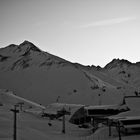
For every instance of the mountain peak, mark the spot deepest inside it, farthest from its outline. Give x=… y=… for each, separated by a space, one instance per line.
x=29 y=46
x=25 y=47
x=26 y=42
x=117 y=63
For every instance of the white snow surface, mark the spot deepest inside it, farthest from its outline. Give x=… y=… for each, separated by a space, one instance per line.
x=43 y=78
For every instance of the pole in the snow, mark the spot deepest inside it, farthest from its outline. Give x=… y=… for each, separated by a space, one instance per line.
x=15 y=111
x=63 y=128
x=119 y=130
x=63 y=112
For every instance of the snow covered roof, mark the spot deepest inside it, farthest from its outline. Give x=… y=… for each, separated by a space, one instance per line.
x=55 y=107
x=124 y=118
x=128 y=114
x=102 y=107
x=63 y=105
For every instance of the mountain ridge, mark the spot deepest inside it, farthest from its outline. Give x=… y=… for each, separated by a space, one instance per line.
x=28 y=46
x=37 y=75
x=120 y=63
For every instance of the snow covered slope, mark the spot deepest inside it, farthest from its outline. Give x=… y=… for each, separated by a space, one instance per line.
x=30 y=127
x=125 y=71
x=42 y=77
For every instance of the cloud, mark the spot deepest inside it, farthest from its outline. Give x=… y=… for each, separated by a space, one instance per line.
x=108 y=22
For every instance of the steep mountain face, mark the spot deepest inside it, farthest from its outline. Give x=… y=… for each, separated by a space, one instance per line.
x=118 y=63
x=25 y=55
x=42 y=77
x=125 y=71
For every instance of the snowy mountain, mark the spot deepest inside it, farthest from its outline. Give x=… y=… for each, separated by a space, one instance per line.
x=125 y=71
x=44 y=78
